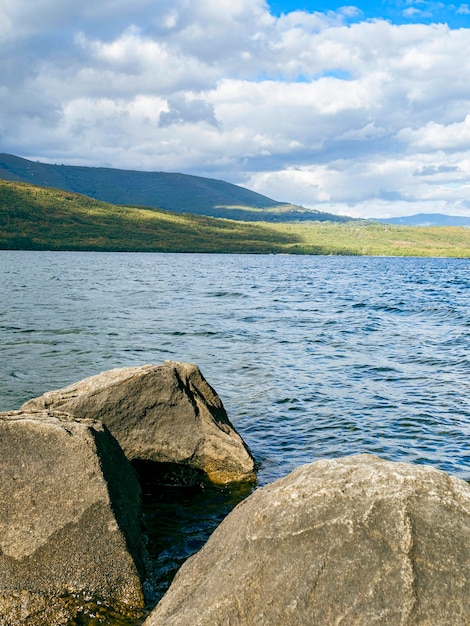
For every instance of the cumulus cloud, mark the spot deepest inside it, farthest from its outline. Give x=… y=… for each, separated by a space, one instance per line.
x=437 y=136
x=328 y=110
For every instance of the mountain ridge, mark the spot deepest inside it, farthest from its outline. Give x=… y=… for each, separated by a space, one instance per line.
x=181 y=193
x=184 y=193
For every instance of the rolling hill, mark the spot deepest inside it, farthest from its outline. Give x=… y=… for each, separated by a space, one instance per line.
x=41 y=218
x=180 y=193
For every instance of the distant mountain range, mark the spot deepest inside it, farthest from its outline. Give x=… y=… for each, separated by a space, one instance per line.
x=180 y=193
x=428 y=219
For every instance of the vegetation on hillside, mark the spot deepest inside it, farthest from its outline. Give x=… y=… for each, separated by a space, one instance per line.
x=38 y=218
x=368 y=238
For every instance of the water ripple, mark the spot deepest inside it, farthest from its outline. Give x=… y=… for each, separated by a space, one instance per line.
x=314 y=357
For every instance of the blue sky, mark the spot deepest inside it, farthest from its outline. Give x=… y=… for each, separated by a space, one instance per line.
x=359 y=109
x=456 y=15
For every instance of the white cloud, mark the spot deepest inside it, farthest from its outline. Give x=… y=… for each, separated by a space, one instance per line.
x=435 y=136
x=305 y=108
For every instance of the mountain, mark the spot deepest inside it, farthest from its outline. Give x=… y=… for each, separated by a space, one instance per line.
x=181 y=193
x=427 y=219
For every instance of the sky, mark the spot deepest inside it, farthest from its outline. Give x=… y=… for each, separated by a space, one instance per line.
x=360 y=109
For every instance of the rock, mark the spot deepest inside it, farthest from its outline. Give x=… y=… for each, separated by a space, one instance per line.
x=70 y=534
x=165 y=413
x=356 y=540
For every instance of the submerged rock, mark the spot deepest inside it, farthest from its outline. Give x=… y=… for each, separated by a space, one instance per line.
x=165 y=413
x=70 y=534
x=356 y=540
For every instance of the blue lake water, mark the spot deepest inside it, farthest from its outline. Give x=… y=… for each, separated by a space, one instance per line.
x=313 y=357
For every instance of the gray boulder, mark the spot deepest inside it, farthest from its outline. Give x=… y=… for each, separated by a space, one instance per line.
x=70 y=535
x=166 y=413
x=356 y=540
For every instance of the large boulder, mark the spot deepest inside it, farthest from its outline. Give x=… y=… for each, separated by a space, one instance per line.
x=70 y=534
x=166 y=413
x=356 y=540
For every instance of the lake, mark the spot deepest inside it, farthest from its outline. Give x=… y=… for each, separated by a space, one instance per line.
x=313 y=356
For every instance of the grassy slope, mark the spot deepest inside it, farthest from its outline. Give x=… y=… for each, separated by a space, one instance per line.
x=43 y=218
x=375 y=239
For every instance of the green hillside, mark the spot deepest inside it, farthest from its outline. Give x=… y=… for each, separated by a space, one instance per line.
x=181 y=193
x=38 y=218
x=367 y=238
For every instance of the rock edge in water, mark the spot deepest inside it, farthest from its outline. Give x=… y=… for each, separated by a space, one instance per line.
x=355 y=540
x=164 y=413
